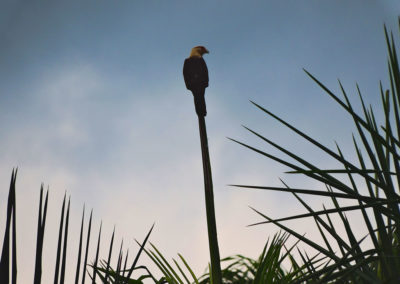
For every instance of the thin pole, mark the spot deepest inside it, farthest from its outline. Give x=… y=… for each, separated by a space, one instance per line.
x=210 y=211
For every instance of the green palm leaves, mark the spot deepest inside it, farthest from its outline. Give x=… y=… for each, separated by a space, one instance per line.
x=372 y=183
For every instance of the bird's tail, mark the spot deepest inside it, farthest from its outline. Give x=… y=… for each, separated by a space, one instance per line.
x=200 y=103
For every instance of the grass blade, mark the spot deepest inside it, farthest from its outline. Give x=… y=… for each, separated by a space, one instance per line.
x=5 y=255
x=109 y=256
x=64 y=256
x=60 y=235
x=139 y=252
x=40 y=236
x=97 y=256
x=78 y=264
x=87 y=248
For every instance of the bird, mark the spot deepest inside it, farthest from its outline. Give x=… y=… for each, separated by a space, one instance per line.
x=195 y=74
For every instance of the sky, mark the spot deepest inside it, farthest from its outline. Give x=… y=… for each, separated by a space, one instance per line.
x=93 y=103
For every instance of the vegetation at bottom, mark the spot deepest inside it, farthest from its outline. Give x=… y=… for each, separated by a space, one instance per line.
x=371 y=182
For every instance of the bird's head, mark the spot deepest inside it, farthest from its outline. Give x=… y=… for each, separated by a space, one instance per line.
x=198 y=51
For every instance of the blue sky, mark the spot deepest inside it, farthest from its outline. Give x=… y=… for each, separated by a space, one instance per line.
x=92 y=102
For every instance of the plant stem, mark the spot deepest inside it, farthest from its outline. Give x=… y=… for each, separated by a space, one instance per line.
x=210 y=211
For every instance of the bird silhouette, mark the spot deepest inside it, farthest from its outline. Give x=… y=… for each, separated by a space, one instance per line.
x=195 y=73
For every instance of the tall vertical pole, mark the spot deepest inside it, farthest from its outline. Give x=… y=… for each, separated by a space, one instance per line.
x=210 y=211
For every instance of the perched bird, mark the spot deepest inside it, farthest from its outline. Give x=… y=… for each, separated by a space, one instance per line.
x=195 y=73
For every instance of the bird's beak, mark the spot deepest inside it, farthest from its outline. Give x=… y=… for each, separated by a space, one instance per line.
x=206 y=51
